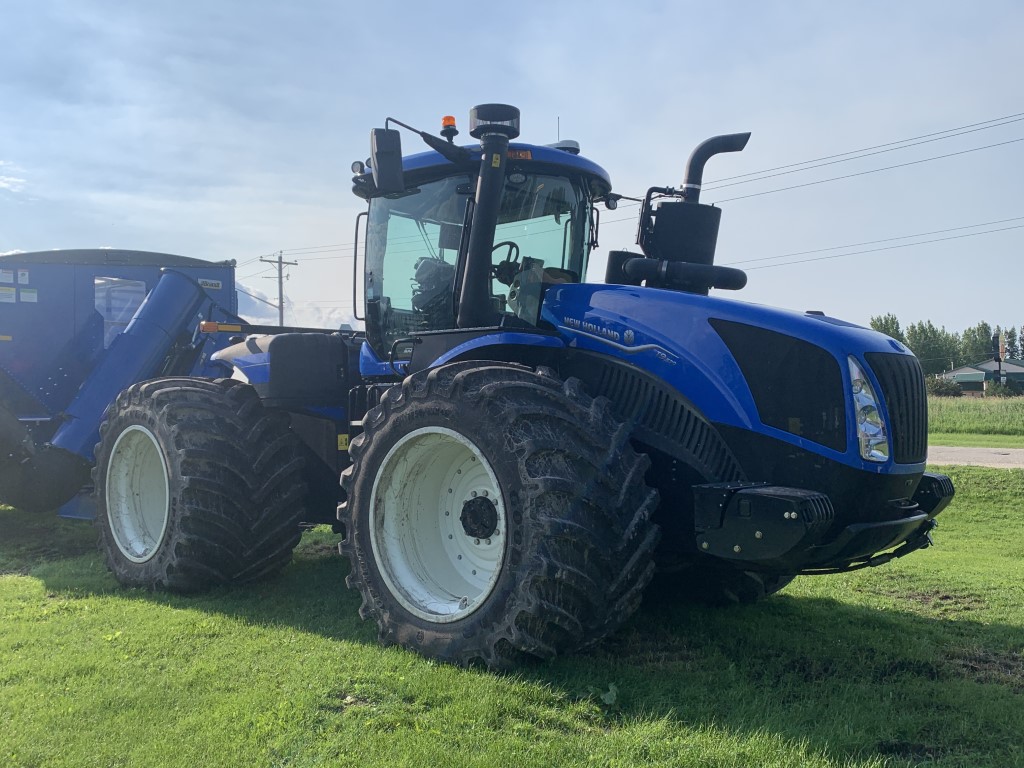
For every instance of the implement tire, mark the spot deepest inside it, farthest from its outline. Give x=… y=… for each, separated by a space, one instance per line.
x=196 y=485
x=494 y=513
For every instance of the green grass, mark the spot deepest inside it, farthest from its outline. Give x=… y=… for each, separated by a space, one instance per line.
x=964 y=440
x=920 y=662
x=976 y=416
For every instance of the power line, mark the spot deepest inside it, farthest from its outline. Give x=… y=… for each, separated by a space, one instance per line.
x=874 y=170
x=255 y=274
x=922 y=139
x=888 y=248
x=882 y=240
x=845 y=160
x=254 y=296
x=293 y=251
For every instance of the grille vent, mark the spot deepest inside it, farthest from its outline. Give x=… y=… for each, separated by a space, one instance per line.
x=905 y=397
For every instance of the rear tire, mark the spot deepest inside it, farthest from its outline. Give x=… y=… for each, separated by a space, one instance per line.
x=494 y=512
x=196 y=485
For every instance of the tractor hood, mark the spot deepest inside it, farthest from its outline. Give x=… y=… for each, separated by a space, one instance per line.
x=728 y=357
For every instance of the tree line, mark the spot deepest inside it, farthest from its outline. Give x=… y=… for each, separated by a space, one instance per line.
x=940 y=350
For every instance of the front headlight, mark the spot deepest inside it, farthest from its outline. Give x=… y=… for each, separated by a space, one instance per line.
x=871 y=431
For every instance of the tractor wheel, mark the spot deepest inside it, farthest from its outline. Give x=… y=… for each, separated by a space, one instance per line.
x=196 y=485
x=496 y=512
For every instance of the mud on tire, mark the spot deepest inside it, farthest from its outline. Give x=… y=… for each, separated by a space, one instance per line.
x=495 y=511
x=196 y=485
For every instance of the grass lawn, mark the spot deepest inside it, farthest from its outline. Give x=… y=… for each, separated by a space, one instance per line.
x=975 y=441
x=919 y=662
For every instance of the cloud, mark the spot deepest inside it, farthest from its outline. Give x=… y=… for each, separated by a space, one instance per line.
x=12 y=183
x=259 y=308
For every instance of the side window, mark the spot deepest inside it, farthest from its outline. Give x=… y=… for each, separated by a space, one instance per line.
x=117 y=300
x=538 y=235
x=412 y=245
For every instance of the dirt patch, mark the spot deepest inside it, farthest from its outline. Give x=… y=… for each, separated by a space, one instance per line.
x=942 y=600
x=983 y=666
x=341 y=701
x=937 y=600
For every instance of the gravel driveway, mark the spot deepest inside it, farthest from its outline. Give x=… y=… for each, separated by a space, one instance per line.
x=1005 y=458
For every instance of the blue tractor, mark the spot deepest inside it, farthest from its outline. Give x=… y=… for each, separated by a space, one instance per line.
x=522 y=452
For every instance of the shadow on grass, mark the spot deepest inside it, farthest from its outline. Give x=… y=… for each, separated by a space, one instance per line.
x=847 y=680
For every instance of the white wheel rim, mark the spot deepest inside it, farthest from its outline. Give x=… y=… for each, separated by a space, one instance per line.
x=137 y=494
x=433 y=567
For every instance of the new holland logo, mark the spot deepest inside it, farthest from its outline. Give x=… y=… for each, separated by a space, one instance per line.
x=628 y=336
x=213 y=285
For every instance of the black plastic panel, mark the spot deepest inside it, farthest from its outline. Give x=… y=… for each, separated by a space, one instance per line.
x=797 y=386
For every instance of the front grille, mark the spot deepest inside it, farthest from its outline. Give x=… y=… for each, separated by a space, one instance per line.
x=905 y=397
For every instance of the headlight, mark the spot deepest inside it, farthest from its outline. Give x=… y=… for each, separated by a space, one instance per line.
x=871 y=431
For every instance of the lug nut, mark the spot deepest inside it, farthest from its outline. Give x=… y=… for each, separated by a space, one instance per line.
x=737 y=548
x=758 y=535
x=704 y=545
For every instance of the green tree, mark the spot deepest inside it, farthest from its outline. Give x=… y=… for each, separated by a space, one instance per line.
x=935 y=348
x=1012 y=347
x=940 y=387
x=976 y=343
x=889 y=325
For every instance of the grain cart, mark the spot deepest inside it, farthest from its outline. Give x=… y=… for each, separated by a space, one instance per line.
x=79 y=326
x=523 y=450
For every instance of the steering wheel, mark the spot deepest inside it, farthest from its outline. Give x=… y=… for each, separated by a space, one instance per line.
x=505 y=271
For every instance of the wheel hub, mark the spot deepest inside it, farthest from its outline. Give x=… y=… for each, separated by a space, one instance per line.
x=479 y=518
x=438 y=524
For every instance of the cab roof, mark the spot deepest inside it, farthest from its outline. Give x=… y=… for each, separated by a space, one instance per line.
x=422 y=164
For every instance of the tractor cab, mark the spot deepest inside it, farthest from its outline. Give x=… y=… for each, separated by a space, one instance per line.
x=419 y=242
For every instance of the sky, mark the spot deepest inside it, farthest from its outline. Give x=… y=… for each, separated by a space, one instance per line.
x=227 y=130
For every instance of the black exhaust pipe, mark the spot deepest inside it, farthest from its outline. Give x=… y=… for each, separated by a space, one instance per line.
x=716 y=145
x=684 y=230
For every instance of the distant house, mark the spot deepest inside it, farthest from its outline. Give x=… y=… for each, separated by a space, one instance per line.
x=974 y=378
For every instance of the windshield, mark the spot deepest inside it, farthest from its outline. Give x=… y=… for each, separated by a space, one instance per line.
x=413 y=242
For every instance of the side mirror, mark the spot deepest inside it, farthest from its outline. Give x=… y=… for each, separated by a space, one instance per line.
x=386 y=160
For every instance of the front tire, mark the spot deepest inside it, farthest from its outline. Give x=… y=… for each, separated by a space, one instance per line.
x=493 y=512
x=196 y=485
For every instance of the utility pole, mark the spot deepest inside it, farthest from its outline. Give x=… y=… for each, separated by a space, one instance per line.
x=280 y=263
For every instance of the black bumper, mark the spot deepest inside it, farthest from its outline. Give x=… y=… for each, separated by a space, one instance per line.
x=792 y=529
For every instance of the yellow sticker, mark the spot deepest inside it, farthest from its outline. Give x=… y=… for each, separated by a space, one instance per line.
x=495 y=161
x=6 y=338
x=342 y=442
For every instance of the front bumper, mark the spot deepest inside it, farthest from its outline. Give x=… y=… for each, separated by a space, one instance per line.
x=795 y=530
